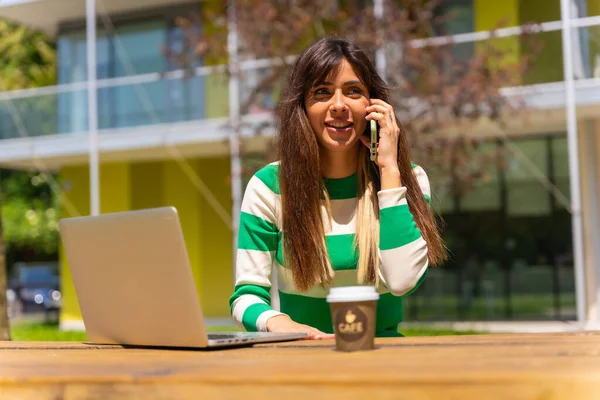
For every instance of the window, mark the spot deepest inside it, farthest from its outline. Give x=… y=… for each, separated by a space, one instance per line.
x=527 y=163
x=134 y=47
x=459 y=19
x=509 y=241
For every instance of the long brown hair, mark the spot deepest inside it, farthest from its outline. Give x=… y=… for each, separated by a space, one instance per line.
x=301 y=184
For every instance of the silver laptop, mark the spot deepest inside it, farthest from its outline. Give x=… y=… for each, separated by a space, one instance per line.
x=134 y=282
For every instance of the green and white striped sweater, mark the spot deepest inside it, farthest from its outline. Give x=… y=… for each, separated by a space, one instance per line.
x=403 y=254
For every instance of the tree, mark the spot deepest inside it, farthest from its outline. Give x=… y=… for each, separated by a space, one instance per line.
x=30 y=216
x=27 y=59
x=437 y=87
x=4 y=327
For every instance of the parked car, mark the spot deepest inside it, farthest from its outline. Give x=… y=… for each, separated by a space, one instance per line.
x=36 y=288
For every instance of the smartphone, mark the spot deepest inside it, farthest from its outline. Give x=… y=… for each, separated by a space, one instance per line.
x=374 y=138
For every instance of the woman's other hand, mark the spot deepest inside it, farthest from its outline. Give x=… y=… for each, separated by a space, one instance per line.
x=284 y=324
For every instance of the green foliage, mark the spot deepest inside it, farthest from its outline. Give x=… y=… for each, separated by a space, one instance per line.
x=30 y=225
x=29 y=212
x=27 y=58
x=29 y=209
x=48 y=331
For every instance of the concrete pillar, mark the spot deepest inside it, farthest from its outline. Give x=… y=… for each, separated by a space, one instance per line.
x=589 y=150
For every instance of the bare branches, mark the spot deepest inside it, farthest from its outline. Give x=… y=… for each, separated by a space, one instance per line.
x=435 y=88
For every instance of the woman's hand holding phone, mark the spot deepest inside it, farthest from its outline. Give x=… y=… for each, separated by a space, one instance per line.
x=387 y=146
x=373 y=142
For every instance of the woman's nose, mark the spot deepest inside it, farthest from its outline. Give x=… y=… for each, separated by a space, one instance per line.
x=337 y=103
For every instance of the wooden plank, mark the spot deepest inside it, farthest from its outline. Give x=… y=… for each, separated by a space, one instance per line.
x=487 y=338
x=10 y=345
x=193 y=391
x=524 y=366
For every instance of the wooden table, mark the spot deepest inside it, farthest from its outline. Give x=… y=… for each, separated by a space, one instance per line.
x=524 y=366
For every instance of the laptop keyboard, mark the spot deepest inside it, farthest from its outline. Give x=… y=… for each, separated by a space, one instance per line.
x=249 y=337
x=217 y=336
x=238 y=335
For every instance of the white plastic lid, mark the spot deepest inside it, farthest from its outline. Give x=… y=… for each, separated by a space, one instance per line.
x=352 y=293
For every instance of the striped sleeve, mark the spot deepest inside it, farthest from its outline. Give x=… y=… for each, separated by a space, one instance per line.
x=403 y=251
x=250 y=303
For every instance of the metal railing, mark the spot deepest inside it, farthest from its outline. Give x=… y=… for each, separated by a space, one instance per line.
x=63 y=108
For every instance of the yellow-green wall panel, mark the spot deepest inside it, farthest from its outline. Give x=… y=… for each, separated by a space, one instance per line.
x=594 y=50
x=180 y=192
x=115 y=187
x=76 y=190
x=547 y=66
x=115 y=190
x=215 y=239
x=593 y=7
x=208 y=239
x=217 y=96
x=147 y=185
x=490 y=15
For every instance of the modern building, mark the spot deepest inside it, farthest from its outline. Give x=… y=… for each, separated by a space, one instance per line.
x=163 y=140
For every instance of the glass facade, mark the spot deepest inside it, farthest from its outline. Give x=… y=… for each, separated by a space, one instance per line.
x=457 y=17
x=131 y=49
x=509 y=239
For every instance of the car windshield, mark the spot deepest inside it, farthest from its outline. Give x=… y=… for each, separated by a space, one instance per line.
x=37 y=275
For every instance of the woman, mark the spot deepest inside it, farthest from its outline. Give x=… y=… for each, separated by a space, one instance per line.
x=325 y=215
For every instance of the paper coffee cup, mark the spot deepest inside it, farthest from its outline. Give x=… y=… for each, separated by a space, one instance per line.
x=354 y=311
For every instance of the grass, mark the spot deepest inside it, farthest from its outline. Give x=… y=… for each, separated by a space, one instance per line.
x=41 y=331
x=523 y=306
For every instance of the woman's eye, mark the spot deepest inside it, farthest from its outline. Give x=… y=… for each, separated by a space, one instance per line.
x=321 y=91
x=355 y=91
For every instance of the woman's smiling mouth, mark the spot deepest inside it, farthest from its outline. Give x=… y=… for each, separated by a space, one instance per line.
x=339 y=126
